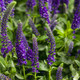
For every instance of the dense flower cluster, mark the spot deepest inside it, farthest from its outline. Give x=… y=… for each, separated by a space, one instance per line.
x=6 y=43
x=43 y=10
x=70 y=48
x=59 y=73
x=35 y=62
x=35 y=31
x=76 y=3
x=2 y=6
x=25 y=42
x=30 y=4
x=64 y=1
x=76 y=20
x=3 y=77
x=20 y=48
x=53 y=5
x=52 y=46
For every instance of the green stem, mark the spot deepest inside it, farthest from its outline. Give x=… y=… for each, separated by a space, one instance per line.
x=49 y=72
x=24 y=72
x=35 y=75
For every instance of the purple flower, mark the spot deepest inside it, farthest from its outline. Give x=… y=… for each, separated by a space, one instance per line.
x=8 y=2
x=6 y=43
x=35 y=31
x=25 y=42
x=20 y=48
x=76 y=19
x=2 y=6
x=64 y=1
x=59 y=73
x=53 y=5
x=43 y=10
x=76 y=3
x=70 y=48
x=53 y=22
x=3 y=77
x=50 y=58
x=35 y=62
x=30 y=4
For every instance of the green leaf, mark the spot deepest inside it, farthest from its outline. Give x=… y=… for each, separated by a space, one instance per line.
x=41 y=47
x=3 y=61
x=77 y=62
x=73 y=70
x=19 y=76
x=76 y=77
x=43 y=66
x=42 y=37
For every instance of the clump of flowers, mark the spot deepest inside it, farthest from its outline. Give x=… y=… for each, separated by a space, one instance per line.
x=59 y=73
x=35 y=31
x=35 y=62
x=53 y=5
x=20 y=48
x=30 y=4
x=6 y=43
x=3 y=77
x=76 y=19
x=51 y=39
x=43 y=10
x=2 y=6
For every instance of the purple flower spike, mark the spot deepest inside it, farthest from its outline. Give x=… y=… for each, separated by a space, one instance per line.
x=2 y=6
x=30 y=4
x=6 y=43
x=76 y=20
x=43 y=10
x=76 y=3
x=3 y=77
x=8 y=2
x=53 y=5
x=35 y=62
x=50 y=58
x=20 y=47
x=70 y=48
x=59 y=73
x=35 y=31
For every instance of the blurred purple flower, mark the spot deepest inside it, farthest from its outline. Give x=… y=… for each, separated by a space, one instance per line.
x=76 y=19
x=30 y=4
x=34 y=29
x=2 y=6
x=70 y=48
x=35 y=62
x=20 y=48
x=53 y=5
x=59 y=73
x=3 y=77
x=50 y=58
x=53 y=22
x=43 y=10
x=6 y=43
x=76 y=3
x=8 y=2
